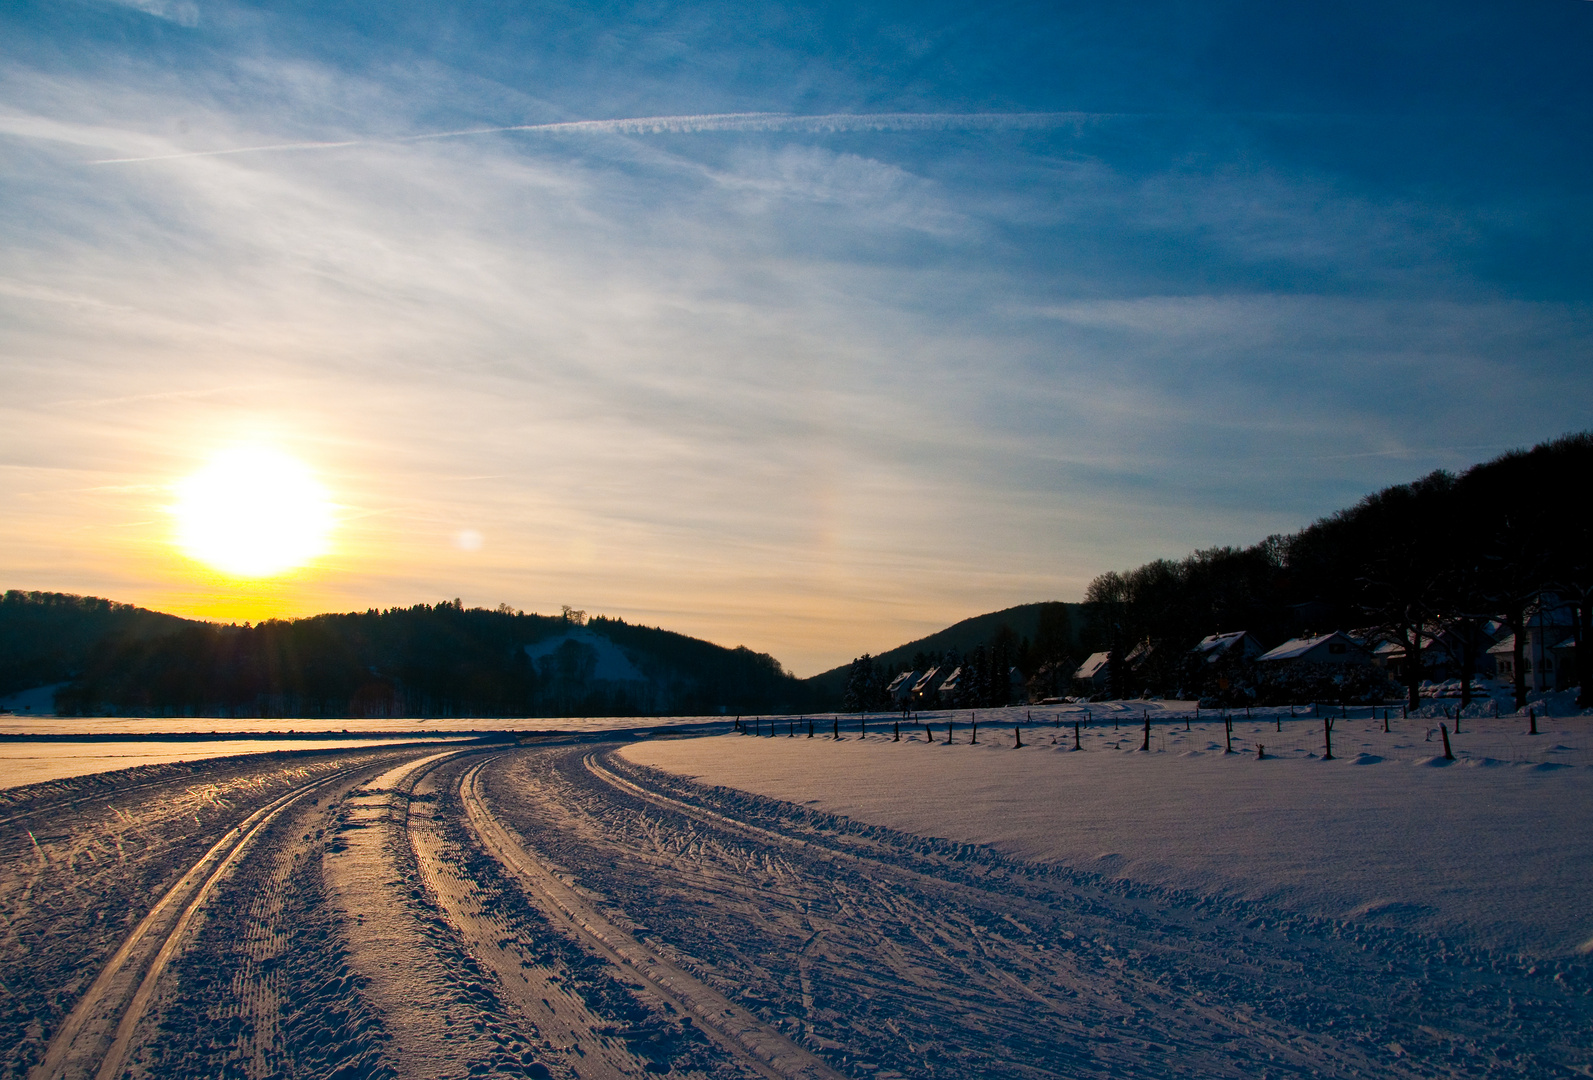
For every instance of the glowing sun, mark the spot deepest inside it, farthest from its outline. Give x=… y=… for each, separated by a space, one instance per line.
x=253 y=512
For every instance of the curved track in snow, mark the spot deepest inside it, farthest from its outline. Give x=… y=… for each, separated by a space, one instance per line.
x=553 y=910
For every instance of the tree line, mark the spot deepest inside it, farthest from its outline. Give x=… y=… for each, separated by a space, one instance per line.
x=441 y=660
x=1426 y=565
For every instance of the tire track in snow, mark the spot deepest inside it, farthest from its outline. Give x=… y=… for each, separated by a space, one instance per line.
x=97 y=1035
x=1133 y=978
x=768 y=1051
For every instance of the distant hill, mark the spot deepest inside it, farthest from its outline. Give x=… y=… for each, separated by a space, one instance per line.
x=442 y=660
x=1024 y=621
x=47 y=637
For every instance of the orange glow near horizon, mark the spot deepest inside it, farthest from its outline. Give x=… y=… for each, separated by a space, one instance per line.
x=253 y=512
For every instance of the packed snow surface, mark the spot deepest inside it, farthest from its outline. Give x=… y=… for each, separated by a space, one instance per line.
x=1388 y=832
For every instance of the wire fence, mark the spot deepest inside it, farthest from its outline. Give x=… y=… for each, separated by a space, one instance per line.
x=1358 y=732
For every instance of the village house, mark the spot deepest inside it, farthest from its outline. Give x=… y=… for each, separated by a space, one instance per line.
x=900 y=689
x=1239 y=645
x=1093 y=676
x=1548 y=649
x=1334 y=648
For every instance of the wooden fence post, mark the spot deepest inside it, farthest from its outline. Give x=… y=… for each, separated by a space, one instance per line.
x=1327 y=736
x=1076 y=745
x=1449 y=754
x=1017 y=737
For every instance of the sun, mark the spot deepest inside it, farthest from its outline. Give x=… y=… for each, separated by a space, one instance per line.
x=253 y=512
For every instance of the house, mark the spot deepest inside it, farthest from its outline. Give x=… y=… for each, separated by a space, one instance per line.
x=1548 y=649
x=1095 y=674
x=952 y=682
x=1334 y=648
x=926 y=685
x=1239 y=645
x=901 y=687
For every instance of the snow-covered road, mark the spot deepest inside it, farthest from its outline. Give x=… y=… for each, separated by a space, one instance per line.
x=560 y=910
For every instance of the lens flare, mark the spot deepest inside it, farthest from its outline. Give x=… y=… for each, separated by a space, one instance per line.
x=253 y=512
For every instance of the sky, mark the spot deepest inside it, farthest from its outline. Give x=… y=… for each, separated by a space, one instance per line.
x=812 y=328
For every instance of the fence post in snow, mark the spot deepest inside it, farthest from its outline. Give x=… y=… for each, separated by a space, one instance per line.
x=1279 y=718
x=1385 y=720
x=837 y=729
x=1145 y=745
x=898 y=736
x=1261 y=751
x=929 y=733
x=1449 y=755
x=975 y=740
x=1227 y=726
x=948 y=732
x=1327 y=738
x=1532 y=718
x=1076 y=745
x=1017 y=737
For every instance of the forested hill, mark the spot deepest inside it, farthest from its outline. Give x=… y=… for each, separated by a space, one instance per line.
x=1426 y=565
x=442 y=660
x=1035 y=630
x=47 y=637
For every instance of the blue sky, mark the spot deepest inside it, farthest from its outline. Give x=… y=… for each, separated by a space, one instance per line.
x=906 y=313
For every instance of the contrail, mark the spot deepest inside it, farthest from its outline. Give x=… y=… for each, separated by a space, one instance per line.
x=687 y=125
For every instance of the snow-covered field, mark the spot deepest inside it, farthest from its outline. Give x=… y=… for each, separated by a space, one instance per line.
x=1495 y=847
x=653 y=903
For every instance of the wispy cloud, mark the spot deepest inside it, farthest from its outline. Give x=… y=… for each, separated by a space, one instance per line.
x=182 y=12
x=682 y=125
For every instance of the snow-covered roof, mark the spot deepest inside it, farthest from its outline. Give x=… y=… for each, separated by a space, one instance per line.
x=1506 y=646
x=904 y=677
x=1092 y=666
x=1218 y=641
x=1298 y=647
x=1215 y=646
x=951 y=681
x=924 y=684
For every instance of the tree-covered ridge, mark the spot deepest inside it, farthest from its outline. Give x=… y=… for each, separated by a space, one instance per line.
x=46 y=637
x=1424 y=565
x=425 y=660
x=1421 y=565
